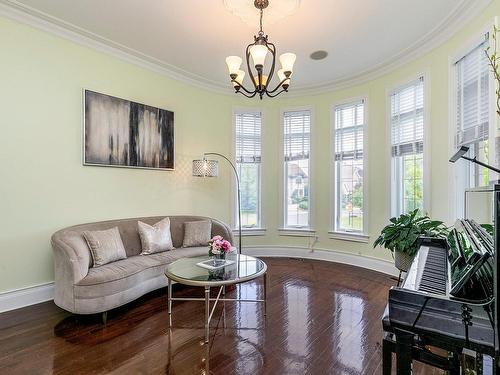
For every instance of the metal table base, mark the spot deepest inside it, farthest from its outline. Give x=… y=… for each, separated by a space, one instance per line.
x=209 y=312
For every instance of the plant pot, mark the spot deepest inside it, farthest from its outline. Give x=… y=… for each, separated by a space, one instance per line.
x=402 y=261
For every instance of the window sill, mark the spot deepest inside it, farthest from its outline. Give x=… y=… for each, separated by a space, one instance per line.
x=250 y=232
x=298 y=232
x=349 y=236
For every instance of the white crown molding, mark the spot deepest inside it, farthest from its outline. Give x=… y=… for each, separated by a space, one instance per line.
x=18 y=298
x=465 y=11
x=22 y=13
x=370 y=263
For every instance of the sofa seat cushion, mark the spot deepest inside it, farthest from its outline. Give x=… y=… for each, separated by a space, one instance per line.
x=125 y=274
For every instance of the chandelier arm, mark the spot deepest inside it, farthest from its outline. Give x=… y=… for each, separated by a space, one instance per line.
x=248 y=96
x=279 y=85
x=247 y=91
x=241 y=86
x=273 y=65
x=250 y=73
x=275 y=95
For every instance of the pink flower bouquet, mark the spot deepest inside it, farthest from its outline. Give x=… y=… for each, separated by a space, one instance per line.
x=218 y=246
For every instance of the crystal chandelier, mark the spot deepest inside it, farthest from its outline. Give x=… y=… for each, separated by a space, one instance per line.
x=258 y=51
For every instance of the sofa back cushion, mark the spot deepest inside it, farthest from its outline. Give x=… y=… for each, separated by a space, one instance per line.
x=155 y=238
x=197 y=233
x=106 y=246
x=73 y=236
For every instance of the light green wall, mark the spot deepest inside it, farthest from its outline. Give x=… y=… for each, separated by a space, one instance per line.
x=44 y=186
x=436 y=66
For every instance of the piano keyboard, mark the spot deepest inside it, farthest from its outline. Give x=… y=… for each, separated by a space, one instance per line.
x=434 y=275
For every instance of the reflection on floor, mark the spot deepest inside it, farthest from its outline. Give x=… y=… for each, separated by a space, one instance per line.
x=323 y=318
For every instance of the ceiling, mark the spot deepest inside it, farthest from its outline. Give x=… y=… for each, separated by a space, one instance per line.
x=192 y=37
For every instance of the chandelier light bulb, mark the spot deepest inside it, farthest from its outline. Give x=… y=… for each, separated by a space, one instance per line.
x=259 y=53
x=287 y=60
x=264 y=80
x=233 y=64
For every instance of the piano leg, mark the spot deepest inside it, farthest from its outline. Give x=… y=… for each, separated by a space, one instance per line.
x=386 y=357
x=404 y=342
x=455 y=364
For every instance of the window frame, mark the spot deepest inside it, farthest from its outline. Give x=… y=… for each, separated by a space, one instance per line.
x=335 y=232
x=453 y=168
x=301 y=231
x=426 y=154
x=259 y=229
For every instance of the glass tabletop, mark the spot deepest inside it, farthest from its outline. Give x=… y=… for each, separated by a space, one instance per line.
x=244 y=268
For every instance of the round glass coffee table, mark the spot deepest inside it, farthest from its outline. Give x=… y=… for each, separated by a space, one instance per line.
x=187 y=271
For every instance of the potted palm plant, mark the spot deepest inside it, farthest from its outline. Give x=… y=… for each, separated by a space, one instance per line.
x=403 y=235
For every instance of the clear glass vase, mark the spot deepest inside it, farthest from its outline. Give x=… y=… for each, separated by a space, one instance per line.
x=219 y=259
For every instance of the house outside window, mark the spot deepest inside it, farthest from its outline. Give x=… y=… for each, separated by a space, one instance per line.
x=296 y=139
x=348 y=165
x=248 y=126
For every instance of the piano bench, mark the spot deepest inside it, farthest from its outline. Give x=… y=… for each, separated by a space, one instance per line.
x=423 y=355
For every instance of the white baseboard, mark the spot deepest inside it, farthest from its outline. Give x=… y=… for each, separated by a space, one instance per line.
x=32 y=295
x=370 y=263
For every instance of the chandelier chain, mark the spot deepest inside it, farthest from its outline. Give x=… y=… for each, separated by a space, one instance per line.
x=261 y=32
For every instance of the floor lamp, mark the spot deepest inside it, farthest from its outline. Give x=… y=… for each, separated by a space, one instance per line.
x=210 y=168
x=461 y=154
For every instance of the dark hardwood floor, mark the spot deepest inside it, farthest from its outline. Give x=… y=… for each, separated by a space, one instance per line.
x=323 y=318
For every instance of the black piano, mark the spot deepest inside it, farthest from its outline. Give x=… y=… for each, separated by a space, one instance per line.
x=447 y=301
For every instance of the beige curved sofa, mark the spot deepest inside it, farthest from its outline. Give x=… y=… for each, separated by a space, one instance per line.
x=83 y=289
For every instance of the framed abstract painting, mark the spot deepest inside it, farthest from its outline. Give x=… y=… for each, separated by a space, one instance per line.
x=122 y=133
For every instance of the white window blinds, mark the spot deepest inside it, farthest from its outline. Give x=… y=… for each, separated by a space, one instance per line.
x=349 y=121
x=297 y=127
x=248 y=137
x=472 y=96
x=407 y=119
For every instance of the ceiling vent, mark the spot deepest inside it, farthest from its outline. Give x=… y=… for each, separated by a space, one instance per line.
x=319 y=55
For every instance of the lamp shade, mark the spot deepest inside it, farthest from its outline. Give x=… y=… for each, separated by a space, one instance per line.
x=259 y=53
x=239 y=78
x=282 y=77
x=287 y=60
x=205 y=168
x=461 y=152
x=233 y=64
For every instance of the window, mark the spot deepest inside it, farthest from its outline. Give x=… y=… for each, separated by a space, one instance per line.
x=407 y=147
x=296 y=131
x=472 y=119
x=349 y=122
x=248 y=161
